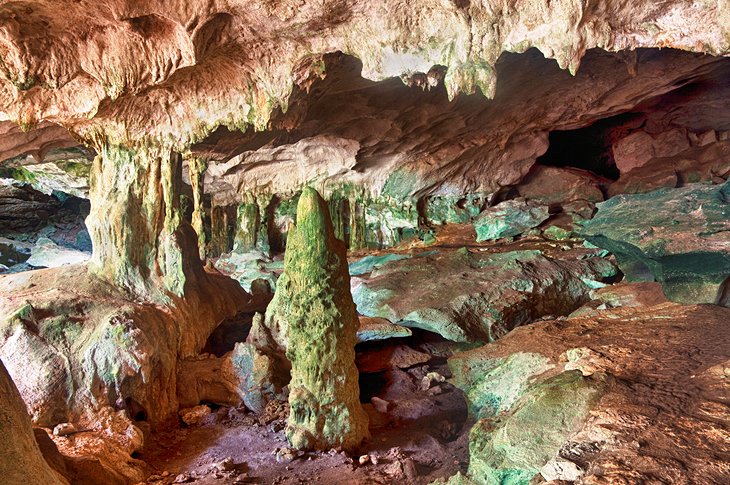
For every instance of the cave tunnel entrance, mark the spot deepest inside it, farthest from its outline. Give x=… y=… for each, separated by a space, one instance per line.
x=230 y=332
x=590 y=148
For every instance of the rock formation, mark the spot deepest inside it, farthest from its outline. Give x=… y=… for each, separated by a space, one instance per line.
x=678 y=237
x=320 y=327
x=21 y=461
x=496 y=169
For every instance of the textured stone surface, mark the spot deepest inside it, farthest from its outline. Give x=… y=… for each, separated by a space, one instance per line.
x=373 y=328
x=21 y=461
x=509 y=218
x=678 y=237
x=75 y=343
x=536 y=389
x=140 y=242
x=314 y=305
x=465 y=296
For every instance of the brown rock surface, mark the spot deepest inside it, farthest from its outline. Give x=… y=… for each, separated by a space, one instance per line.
x=663 y=415
x=21 y=461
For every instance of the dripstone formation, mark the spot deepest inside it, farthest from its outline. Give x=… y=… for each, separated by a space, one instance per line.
x=321 y=333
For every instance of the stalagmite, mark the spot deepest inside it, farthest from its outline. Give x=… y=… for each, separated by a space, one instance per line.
x=321 y=318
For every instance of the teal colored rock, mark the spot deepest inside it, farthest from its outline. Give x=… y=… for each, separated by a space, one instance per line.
x=257 y=376
x=557 y=233
x=509 y=218
x=678 y=237
x=320 y=323
x=493 y=385
x=246 y=267
x=459 y=209
x=369 y=263
x=466 y=297
x=512 y=448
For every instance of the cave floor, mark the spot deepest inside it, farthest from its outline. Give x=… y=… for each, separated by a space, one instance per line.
x=421 y=437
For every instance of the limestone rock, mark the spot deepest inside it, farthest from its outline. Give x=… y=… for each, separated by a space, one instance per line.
x=390 y=356
x=677 y=237
x=90 y=347
x=321 y=326
x=509 y=218
x=47 y=254
x=259 y=380
x=586 y=389
x=21 y=461
x=466 y=296
x=373 y=328
x=513 y=448
x=557 y=185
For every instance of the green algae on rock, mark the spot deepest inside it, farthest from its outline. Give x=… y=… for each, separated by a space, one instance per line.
x=321 y=326
x=678 y=237
x=509 y=218
x=512 y=448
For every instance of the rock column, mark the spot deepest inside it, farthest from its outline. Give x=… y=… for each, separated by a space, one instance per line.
x=196 y=168
x=247 y=225
x=321 y=327
x=140 y=242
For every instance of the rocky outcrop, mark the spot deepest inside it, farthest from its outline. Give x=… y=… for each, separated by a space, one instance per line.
x=314 y=305
x=76 y=343
x=21 y=461
x=678 y=237
x=569 y=399
x=508 y=219
x=468 y=295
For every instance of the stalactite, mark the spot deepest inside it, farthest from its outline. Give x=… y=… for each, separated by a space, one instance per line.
x=196 y=168
x=140 y=242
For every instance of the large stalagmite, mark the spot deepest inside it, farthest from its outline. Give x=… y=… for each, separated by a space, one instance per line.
x=322 y=323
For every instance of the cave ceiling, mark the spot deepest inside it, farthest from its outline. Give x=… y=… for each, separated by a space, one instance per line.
x=458 y=93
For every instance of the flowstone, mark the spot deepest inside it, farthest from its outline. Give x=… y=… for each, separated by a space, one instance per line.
x=321 y=325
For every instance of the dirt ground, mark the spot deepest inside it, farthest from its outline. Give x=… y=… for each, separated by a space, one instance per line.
x=421 y=436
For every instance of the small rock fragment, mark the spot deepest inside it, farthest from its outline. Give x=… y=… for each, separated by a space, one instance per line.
x=194 y=415
x=380 y=405
x=224 y=465
x=409 y=468
x=562 y=470
x=64 y=429
x=285 y=455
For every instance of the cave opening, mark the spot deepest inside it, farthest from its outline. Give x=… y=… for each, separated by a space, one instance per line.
x=228 y=333
x=589 y=148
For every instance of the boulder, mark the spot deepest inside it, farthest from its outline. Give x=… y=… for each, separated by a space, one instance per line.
x=558 y=185
x=374 y=328
x=48 y=254
x=678 y=237
x=509 y=218
x=469 y=296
